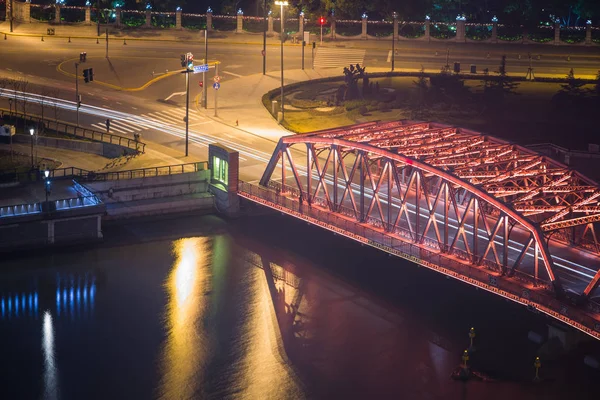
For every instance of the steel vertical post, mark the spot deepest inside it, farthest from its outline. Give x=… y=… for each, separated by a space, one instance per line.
x=282 y=33
x=106 y=43
x=265 y=40
x=216 y=91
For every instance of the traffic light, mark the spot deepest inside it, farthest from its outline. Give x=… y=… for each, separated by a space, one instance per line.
x=190 y=64
x=322 y=21
x=200 y=83
x=91 y=74
x=86 y=75
x=183 y=61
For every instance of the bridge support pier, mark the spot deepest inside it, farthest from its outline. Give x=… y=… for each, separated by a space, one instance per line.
x=224 y=172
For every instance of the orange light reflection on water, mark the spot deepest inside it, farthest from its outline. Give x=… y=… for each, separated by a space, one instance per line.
x=184 y=353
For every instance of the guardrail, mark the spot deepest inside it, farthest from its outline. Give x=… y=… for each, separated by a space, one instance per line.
x=77 y=131
x=20 y=209
x=515 y=288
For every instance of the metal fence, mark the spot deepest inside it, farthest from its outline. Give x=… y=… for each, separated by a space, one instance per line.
x=147 y=172
x=518 y=288
x=77 y=131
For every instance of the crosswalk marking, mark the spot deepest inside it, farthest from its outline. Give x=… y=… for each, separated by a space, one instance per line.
x=171 y=117
x=332 y=57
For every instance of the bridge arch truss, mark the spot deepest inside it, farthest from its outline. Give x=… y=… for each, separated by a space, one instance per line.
x=485 y=201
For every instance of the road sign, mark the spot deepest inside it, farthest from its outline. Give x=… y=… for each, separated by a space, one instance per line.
x=200 y=68
x=217 y=78
x=216 y=85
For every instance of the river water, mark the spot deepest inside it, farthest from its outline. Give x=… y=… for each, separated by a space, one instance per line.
x=257 y=308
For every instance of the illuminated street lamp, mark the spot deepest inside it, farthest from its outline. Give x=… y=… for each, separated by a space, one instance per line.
x=282 y=4
x=47 y=184
x=31 y=132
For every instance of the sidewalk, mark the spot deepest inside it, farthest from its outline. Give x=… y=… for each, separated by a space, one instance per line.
x=184 y=35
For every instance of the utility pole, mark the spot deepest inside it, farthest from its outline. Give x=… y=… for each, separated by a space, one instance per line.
x=216 y=91
x=264 y=51
x=187 y=109
x=394 y=41
x=10 y=15
x=107 y=43
x=303 y=45
x=204 y=88
x=98 y=17
x=77 y=90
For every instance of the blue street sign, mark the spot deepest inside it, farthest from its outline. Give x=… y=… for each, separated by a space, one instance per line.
x=200 y=68
x=216 y=85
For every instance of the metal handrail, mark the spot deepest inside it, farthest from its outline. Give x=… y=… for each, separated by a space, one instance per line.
x=77 y=131
x=147 y=172
x=15 y=210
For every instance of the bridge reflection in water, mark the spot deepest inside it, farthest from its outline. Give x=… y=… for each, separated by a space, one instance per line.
x=476 y=208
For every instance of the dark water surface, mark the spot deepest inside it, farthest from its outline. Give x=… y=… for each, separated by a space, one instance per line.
x=257 y=308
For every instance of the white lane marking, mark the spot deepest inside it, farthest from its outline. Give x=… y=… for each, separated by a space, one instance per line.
x=90 y=94
x=8 y=69
x=232 y=73
x=105 y=106
x=171 y=120
x=114 y=128
x=123 y=125
x=105 y=98
x=174 y=94
x=135 y=108
x=201 y=123
x=119 y=103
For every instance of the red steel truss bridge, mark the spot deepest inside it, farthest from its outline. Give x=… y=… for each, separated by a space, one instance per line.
x=476 y=208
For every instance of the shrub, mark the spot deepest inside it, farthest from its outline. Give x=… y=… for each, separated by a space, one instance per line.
x=363 y=110
x=353 y=104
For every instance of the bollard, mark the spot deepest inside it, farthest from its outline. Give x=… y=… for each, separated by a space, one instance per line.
x=568 y=58
x=5 y=36
x=97 y=41
x=69 y=39
x=124 y=42
x=519 y=57
x=471 y=336
x=537 y=364
x=487 y=55
x=465 y=358
x=42 y=38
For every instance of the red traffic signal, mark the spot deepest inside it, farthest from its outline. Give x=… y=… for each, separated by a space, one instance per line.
x=200 y=83
x=322 y=21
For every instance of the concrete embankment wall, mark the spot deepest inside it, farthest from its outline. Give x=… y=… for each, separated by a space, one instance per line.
x=109 y=150
x=154 y=195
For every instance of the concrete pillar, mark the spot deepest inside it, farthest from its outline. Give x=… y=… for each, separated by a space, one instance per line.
x=118 y=17
x=240 y=23
x=428 y=30
x=51 y=232
x=556 y=33
x=301 y=26
x=270 y=25
x=495 y=32
x=364 y=27
x=57 y=13
x=588 y=33
x=88 y=15
x=395 y=33
x=148 y=23
x=209 y=21
x=460 y=30
x=178 y=19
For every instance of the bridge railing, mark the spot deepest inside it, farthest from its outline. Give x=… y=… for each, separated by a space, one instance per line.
x=518 y=287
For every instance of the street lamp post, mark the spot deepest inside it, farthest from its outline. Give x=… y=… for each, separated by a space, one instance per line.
x=77 y=90
x=264 y=51
x=46 y=185
x=31 y=131
x=394 y=40
x=282 y=4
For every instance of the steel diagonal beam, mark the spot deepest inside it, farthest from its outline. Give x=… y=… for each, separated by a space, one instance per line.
x=491 y=235
x=592 y=285
x=521 y=256
x=401 y=138
x=321 y=174
x=461 y=227
x=294 y=170
x=348 y=180
x=500 y=163
x=483 y=160
x=572 y=207
x=432 y=220
x=272 y=164
x=375 y=190
x=404 y=209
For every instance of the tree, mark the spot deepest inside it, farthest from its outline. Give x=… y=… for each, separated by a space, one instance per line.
x=421 y=90
x=496 y=89
x=351 y=76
